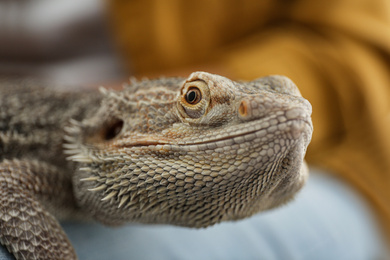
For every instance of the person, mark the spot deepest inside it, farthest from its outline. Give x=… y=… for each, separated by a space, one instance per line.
x=337 y=52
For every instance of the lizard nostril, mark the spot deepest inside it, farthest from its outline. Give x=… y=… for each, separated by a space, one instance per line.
x=243 y=109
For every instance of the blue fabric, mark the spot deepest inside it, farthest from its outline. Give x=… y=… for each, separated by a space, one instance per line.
x=4 y=255
x=327 y=220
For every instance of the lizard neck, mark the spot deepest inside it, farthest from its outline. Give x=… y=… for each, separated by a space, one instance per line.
x=32 y=121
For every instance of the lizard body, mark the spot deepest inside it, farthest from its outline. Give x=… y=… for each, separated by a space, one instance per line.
x=190 y=152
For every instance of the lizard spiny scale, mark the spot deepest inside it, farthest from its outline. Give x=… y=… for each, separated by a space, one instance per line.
x=190 y=152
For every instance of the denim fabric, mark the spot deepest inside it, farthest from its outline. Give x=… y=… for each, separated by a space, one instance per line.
x=327 y=220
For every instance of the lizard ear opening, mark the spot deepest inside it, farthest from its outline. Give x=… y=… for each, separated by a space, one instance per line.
x=113 y=129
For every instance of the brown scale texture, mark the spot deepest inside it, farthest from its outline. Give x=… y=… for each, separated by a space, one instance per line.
x=27 y=228
x=190 y=152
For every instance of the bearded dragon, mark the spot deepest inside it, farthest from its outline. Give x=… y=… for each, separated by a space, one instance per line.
x=191 y=152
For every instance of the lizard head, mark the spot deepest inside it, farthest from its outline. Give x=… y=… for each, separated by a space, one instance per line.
x=193 y=151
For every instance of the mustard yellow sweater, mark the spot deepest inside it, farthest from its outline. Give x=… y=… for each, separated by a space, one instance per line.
x=336 y=51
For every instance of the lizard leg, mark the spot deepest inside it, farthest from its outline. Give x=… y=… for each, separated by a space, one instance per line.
x=27 y=228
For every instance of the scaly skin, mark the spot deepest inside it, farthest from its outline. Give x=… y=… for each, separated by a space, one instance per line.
x=190 y=152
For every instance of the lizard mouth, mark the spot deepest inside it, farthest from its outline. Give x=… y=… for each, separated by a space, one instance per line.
x=294 y=128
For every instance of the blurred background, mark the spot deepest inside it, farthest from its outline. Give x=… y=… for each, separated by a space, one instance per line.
x=336 y=51
x=63 y=41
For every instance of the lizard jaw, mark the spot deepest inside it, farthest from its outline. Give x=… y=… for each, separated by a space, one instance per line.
x=293 y=128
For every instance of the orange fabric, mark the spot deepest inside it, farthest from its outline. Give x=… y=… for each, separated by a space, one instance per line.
x=336 y=51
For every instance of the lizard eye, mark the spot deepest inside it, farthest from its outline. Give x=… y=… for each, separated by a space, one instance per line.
x=194 y=100
x=193 y=95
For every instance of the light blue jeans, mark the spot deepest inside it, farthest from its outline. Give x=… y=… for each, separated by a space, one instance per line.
x=327 y=220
